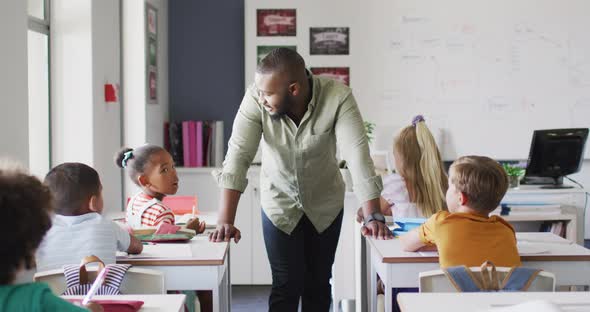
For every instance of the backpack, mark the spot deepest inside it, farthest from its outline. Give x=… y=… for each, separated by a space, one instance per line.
x=77 y=282
x=465 y=280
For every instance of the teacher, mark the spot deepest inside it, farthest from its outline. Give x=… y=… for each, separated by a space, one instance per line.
x=299 y=119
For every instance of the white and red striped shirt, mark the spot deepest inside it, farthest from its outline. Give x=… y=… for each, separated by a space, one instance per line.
x=154 y=215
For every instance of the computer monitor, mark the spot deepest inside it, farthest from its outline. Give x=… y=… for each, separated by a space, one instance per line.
x=556 y=153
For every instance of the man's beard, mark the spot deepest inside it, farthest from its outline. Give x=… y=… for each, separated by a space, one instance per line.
x=286 y=103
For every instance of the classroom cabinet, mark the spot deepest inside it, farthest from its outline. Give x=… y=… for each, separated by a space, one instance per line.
x=249 y=262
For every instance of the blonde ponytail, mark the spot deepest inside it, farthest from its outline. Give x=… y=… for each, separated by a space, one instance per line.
x=433 y=174
x=421 y=167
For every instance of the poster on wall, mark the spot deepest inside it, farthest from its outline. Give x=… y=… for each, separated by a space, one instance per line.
x=276 y=22
x=341 y=74
x=328 y=41
x=263 y=50
x=151 y=53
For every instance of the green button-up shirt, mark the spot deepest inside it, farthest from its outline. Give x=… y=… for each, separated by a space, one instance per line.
x=299 y=173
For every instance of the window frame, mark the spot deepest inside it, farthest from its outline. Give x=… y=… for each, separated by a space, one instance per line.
x=42 y=26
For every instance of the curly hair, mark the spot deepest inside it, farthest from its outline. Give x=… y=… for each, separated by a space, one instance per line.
x=25 y=204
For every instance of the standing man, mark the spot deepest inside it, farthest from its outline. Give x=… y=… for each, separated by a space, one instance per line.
x=300 y=118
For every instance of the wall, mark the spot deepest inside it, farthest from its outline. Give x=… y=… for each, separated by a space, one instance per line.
x=143 y=122
x=206 y=60
x=14 y=134
x=85 y=56
x=106 y=117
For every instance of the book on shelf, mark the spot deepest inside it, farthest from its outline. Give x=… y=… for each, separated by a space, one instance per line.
x=508 y=209
x=195 y=143
x=175 y=140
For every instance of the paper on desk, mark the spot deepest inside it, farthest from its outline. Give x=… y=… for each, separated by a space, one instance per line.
x=166 y=250
x=529 y=306
x=526 y=248
x=428 y=253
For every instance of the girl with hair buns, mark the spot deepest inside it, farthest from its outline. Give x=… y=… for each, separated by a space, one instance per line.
x=152 y=169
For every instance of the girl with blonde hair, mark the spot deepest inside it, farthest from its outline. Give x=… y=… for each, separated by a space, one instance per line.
x=417 y=189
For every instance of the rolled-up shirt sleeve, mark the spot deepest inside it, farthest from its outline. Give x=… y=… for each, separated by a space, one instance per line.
x=242 y=146
x=354 y=147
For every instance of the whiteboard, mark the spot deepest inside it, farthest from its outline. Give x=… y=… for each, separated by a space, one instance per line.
x=485 y=74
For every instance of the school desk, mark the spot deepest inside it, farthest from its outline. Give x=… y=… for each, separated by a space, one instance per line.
x=469 y=302
x=196 y=265
x=151 y=303
x=568 y=261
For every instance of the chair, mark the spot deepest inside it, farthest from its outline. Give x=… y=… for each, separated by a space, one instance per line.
x=180 y=205
x=437 y=281
x=137 y=281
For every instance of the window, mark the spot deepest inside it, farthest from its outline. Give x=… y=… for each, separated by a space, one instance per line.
x=38 y=73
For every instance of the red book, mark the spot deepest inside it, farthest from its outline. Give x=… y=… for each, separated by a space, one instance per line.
x=193 y=143
x=186 y=143
x=199 y=143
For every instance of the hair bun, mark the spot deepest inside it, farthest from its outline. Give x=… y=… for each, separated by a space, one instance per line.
x=121 y=155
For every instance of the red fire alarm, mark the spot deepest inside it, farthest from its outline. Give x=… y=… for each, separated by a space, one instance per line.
x=110 y=93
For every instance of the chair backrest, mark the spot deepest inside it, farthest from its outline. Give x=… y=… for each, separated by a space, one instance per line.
x=180 y=205
x=137 y=281
x=437 y=281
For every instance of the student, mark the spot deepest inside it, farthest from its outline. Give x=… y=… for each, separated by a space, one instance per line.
x=466 y=234
x=78 y=228
x=152 y=169
x=25 y=204
x=418 y=188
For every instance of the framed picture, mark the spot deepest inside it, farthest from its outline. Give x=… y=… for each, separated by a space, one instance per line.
x=152 y=19
x=262 y=51
x=341 y=74
x=276 y=22
x=329 y=40
x=152 y=86
x=151 y=53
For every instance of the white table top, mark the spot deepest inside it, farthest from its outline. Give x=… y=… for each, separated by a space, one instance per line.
x=198 y=251
x=556 y=249
x=470 y=302
x=151 y=303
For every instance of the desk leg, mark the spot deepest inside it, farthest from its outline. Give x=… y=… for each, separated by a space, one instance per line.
x=228 y=279
x=387 y=286
x=372 y=298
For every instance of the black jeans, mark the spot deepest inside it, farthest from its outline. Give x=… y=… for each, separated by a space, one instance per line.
x=301 y=265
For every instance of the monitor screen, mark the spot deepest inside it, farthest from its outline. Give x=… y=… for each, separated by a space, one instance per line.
x=557 y=152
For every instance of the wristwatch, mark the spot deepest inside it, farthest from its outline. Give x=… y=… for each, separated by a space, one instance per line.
x=375 y=216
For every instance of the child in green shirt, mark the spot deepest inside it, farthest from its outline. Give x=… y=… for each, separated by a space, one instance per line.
x=25 y=204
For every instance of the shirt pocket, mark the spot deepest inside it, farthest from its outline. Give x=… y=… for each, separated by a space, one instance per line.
x=317 y=144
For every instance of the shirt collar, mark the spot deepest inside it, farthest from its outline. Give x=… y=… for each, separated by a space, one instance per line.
x=314 y=85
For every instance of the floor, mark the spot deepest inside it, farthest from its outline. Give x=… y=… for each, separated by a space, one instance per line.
x=250 y=298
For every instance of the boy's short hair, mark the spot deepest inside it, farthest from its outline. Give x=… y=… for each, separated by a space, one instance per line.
x=25 y=204
x=481 y=179
x=72 y=185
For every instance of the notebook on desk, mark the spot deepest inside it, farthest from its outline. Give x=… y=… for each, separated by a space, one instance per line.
x=403 y=225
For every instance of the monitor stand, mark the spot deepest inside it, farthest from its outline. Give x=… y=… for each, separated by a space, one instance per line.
x=557 y=184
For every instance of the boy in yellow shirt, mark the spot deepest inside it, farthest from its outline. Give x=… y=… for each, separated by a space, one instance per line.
x=466 y=234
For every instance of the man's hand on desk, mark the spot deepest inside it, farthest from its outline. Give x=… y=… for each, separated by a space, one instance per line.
x=224 y=232
x=378 y=230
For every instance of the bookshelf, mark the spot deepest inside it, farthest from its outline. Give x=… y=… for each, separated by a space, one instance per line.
x=572 y=202
x=531 y=222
